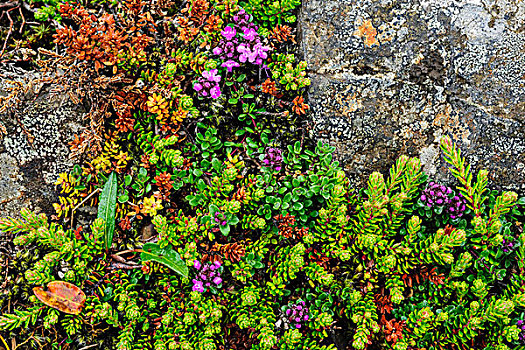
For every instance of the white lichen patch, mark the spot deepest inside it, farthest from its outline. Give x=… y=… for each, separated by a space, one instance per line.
x=392 y=77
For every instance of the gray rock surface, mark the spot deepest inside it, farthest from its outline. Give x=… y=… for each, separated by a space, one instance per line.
x=33 y=145
x=390 y=77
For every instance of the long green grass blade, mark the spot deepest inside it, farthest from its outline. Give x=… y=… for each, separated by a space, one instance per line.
x=107 y=207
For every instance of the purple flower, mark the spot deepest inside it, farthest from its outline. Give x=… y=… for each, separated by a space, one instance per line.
x=249 y=33
x=229 y=33
x=230 y=64
x=208 y=273
x=211 y=75
x=234 y=49
x=297 y=313
x=229 y=48
x=456 y=206
x=521 y=326
x=273 y=158
x=197 y=87
x=215 y=93
x=507 y=246
x=261 y=50
x=438 y=195
x=208 y=84
x=241 y=17
x=197 y=286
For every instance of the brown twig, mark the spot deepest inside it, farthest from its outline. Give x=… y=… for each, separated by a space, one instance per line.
x=23 y=19
x=10 y=4
x=10 y=28
x=128 y=251
x=81 y=203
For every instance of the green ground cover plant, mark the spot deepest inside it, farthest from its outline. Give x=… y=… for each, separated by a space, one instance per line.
x=221 y=224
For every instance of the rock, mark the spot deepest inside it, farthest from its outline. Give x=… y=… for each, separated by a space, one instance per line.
x=392 y=77
x=33 y=144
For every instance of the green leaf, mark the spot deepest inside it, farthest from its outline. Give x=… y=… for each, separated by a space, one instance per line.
x=123 y=198
x=233 y=220
x=106 y=208
x=127 y=180
x=165 y=256
x=225 y=230
x=217 y=165
x=297 y=147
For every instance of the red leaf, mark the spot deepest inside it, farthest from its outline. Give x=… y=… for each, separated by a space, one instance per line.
x=63 y=296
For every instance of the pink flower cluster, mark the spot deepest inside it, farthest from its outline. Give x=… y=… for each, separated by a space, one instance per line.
x=208 y=276
x=207 y=85
x=297 y=314
x=273 y=158
x=439 y=195
x=241 y=43
x=220 y=219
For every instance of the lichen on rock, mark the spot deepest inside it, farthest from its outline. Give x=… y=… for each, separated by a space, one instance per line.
x=392 y=77
x=33 y=147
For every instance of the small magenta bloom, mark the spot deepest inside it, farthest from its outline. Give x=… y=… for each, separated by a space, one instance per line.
x=249 y=34
x=211 y=75
x=297 y=314
x=215 y=93
x=197 y=286
x=243 y=48
x=208 y=277
x=229 y=33
x=197 y=87
x=230 y=64
x=273 y=158
x=217 y=51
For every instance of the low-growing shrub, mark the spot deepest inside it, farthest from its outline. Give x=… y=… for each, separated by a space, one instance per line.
x=222 y=224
